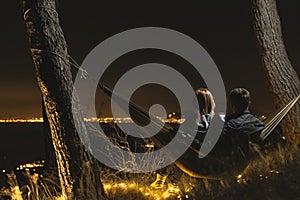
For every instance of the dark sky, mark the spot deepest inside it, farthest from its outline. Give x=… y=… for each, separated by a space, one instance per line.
x=223 y=28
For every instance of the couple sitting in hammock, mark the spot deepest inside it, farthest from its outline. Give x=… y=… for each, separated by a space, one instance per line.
x=240 y=123
x=240 y=127
x=240 y=120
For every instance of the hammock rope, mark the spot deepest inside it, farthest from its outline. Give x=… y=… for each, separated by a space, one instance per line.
x=272 y=122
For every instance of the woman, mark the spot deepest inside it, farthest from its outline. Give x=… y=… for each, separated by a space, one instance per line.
x=202 y=118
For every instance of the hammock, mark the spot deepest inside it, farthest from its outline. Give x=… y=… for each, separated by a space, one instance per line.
x=211 y=167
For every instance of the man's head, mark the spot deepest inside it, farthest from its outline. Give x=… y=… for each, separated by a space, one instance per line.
x=240 y=99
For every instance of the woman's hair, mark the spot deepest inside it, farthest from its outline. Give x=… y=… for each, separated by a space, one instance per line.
x=206 y=101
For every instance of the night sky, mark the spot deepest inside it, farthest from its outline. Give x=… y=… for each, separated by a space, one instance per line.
x=223 y=28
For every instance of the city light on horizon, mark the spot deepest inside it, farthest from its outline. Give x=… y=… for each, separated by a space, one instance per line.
x=20 y=120
x=93 y=119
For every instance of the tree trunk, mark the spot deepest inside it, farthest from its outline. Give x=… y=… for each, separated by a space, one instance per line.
x=50 y=164
x=78 y=172
x=282 y=79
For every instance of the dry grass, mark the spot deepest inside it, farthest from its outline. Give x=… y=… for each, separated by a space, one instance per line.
x=275 y=175
x=272 y=174
x=37 y=187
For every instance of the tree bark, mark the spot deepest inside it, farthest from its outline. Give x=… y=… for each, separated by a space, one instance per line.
x=281 y=78
x=50 y=164
x=78 y=172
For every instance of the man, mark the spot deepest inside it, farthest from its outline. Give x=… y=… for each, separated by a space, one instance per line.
x=241 y=126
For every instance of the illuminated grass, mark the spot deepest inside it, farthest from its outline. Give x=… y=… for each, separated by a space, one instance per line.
x=273 y=174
